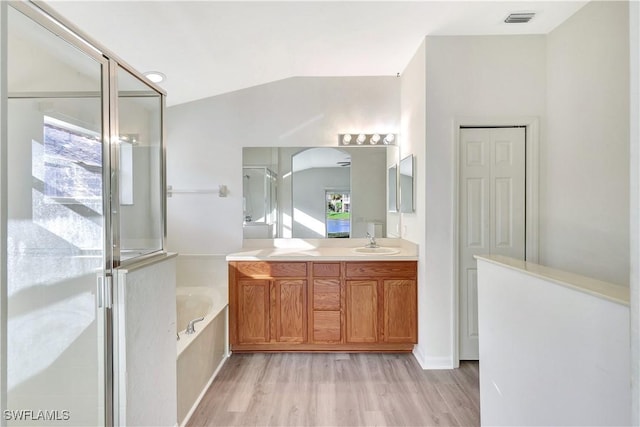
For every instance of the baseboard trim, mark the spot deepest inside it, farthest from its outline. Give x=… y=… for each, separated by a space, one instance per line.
x=420 y=357
x=440 y=363
x=204 y=390
x=432 y=363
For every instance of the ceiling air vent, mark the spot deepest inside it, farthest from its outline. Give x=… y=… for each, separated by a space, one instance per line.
x=519 y=18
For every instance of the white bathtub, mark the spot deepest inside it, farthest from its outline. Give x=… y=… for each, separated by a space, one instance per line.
x=199 y=355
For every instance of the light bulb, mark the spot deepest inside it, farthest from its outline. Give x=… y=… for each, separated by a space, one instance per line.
x=361 y=139
x=346 y=139
x=375 y=138
x=389 y=138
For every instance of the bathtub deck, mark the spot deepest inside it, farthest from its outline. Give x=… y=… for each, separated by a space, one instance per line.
x=290 y=389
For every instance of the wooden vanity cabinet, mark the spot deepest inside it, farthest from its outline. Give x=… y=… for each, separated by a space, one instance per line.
x=267 y=302
x=381 y=302
x=322 y=306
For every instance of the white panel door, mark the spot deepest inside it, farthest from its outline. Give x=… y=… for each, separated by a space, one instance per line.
x=491 y=213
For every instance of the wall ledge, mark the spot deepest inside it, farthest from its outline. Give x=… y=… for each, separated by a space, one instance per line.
x=615 y=293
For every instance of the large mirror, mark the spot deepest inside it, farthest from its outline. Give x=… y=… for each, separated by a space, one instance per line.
x=316 y=192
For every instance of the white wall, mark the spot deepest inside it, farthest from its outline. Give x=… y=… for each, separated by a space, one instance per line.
x=584 y=179
x=550 y=355
x=412 y=141
x=145 y=324
x=205 y=140
x=473 y=77
x=482 y=77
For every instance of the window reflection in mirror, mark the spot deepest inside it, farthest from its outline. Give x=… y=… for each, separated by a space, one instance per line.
x=305 y=178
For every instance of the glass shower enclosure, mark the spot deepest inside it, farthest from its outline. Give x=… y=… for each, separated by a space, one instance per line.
x=84 y=195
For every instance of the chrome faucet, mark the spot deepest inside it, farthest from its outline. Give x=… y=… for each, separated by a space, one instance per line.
x=190 y=328
x=372 y=242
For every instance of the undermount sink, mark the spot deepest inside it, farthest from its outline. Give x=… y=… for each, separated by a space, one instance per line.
x=380 y=250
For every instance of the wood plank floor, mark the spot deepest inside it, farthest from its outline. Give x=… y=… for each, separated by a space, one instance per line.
x=360 y=389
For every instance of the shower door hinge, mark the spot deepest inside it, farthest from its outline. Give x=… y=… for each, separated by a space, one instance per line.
x=104 y=289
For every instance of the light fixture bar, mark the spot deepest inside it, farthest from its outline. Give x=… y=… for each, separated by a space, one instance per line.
x=367 y=139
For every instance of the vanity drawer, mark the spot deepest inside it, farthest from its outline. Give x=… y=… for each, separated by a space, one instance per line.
x=326 y=294
x=326 y=269
x=271 y=269
x=381 y=269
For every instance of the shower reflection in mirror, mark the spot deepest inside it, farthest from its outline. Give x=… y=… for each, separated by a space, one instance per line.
x=259 y=202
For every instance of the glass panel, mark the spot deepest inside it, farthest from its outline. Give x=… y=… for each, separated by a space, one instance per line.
x=55 y=356
x=140 y=160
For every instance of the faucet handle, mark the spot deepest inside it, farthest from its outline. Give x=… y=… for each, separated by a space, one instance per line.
x=190 y=328
x=372 y=241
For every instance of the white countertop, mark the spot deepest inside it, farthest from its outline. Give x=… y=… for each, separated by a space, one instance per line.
x=321 y=250
x=612 y=292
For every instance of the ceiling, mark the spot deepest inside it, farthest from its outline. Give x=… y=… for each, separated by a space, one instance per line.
x=206 y=48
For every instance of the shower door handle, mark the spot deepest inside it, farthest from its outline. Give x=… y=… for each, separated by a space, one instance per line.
x=103 y=290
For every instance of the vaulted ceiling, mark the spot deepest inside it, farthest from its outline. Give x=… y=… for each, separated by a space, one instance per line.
x=206 y=48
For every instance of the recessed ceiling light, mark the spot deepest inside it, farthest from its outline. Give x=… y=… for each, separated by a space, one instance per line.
x=155 y=76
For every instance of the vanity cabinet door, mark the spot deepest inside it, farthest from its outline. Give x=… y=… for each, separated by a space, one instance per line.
x=253 y=299
x=290 y=320
x=361 y=311
x=399 y=311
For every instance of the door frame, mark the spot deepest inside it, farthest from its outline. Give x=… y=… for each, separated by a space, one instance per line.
x=532 y=140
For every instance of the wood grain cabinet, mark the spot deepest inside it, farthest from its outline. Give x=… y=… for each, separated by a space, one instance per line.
x=254 y=301
x=382 y=302
x=322 y=306
x=326 y=303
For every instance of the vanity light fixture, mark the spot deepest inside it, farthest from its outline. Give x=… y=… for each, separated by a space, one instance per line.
x=365 y=139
